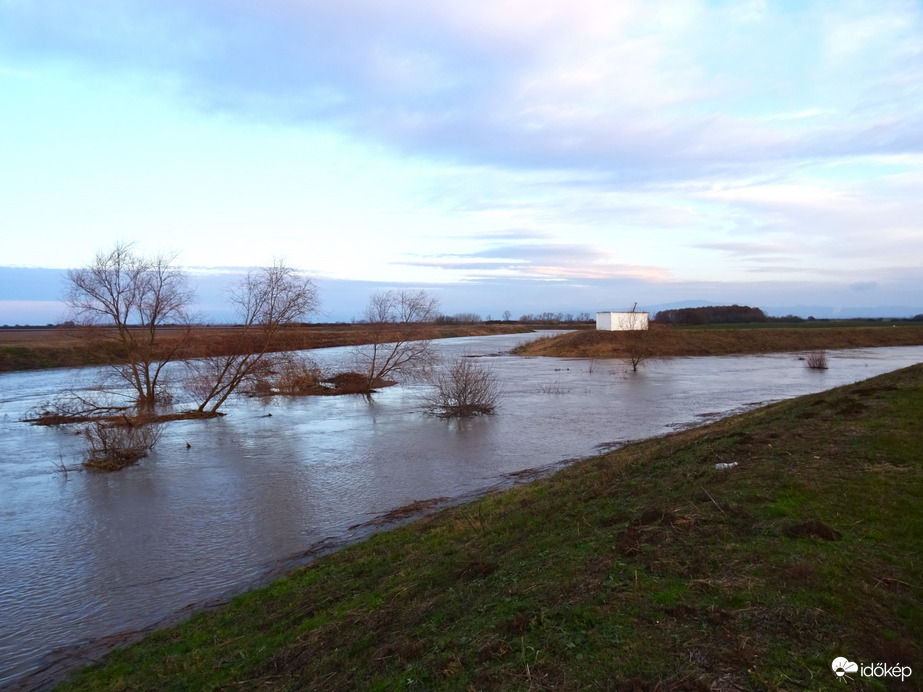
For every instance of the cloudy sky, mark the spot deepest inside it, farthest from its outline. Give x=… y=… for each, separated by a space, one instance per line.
x=529 y=156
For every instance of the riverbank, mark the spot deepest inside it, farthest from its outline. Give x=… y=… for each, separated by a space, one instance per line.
x=61 y=347
x=662 y=341
x=644 y=568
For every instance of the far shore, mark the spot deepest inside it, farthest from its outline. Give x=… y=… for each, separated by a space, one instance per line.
x=664 y=342
x=40 y=348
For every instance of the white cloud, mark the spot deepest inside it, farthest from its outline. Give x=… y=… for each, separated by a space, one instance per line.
x=648 y=132
x=595 y=84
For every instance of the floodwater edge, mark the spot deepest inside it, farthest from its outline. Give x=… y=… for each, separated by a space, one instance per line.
x=598 y=517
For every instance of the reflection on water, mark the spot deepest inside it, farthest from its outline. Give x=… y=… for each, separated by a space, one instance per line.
x=221 y=503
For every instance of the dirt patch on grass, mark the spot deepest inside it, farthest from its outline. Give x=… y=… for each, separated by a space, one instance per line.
x=813 y=529
x=476 y=569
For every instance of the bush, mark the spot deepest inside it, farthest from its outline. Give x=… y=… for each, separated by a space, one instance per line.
x=816 y=360
x=463 y=389
x=111 y=446
x=299 y=377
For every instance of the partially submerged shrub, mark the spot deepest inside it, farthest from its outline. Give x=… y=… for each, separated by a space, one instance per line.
x=553 y=388
x=113 y=445
x=284 y=373
x=351 y=382
x=298 y=377
x=356 y=383
x=463 y=389
x=816 y=360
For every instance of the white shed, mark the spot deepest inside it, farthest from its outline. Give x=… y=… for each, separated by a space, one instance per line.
x=621 y=321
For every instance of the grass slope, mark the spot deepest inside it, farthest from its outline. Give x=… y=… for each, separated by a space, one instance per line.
x=644 y=569
x=711 y=341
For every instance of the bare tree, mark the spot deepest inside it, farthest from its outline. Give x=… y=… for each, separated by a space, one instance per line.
x=395 y=348
x=464 y=388
x=267 y=300
x=640 y=346
x=134 y=296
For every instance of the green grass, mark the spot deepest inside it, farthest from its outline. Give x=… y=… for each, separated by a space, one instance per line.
x=643 y=569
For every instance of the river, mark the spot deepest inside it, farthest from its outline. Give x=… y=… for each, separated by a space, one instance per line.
x=221 y=505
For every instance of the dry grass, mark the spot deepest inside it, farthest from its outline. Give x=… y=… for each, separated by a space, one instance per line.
x=32 y=349
x=668 y=342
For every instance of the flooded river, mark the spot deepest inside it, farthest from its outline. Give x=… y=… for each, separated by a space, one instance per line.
x=222 y=504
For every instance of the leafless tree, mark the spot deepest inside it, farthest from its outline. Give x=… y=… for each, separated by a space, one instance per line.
x=128 y=298
x=464 y=388
x=640 y=346
x=395 y=348
x=267 y=300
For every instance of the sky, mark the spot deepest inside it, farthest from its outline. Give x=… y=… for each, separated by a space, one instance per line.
x=505 y=155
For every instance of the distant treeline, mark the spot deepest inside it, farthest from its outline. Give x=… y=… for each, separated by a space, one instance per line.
x=739 y=314
x=711 y=314
x=543 y=318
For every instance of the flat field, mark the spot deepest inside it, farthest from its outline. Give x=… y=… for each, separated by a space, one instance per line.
x=662 y=341
x=648 y=568
x=50 y=347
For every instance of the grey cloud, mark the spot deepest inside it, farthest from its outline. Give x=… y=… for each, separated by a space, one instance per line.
x=413 y=77
x=545 y=253
x=552 y=262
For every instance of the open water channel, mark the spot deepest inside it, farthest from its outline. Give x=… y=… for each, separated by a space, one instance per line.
x=221 y=505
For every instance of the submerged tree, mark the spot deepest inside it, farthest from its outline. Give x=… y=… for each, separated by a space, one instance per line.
x=640 y=344
x=267 y=300
x=395 y=347
x=128 y=298
x=640 y=347
x=463 y=389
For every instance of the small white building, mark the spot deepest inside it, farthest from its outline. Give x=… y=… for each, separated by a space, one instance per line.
x=621 y=321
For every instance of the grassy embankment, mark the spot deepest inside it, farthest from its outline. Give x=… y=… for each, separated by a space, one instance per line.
x=646 y=568
x=715 y=341
x=53 y=347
